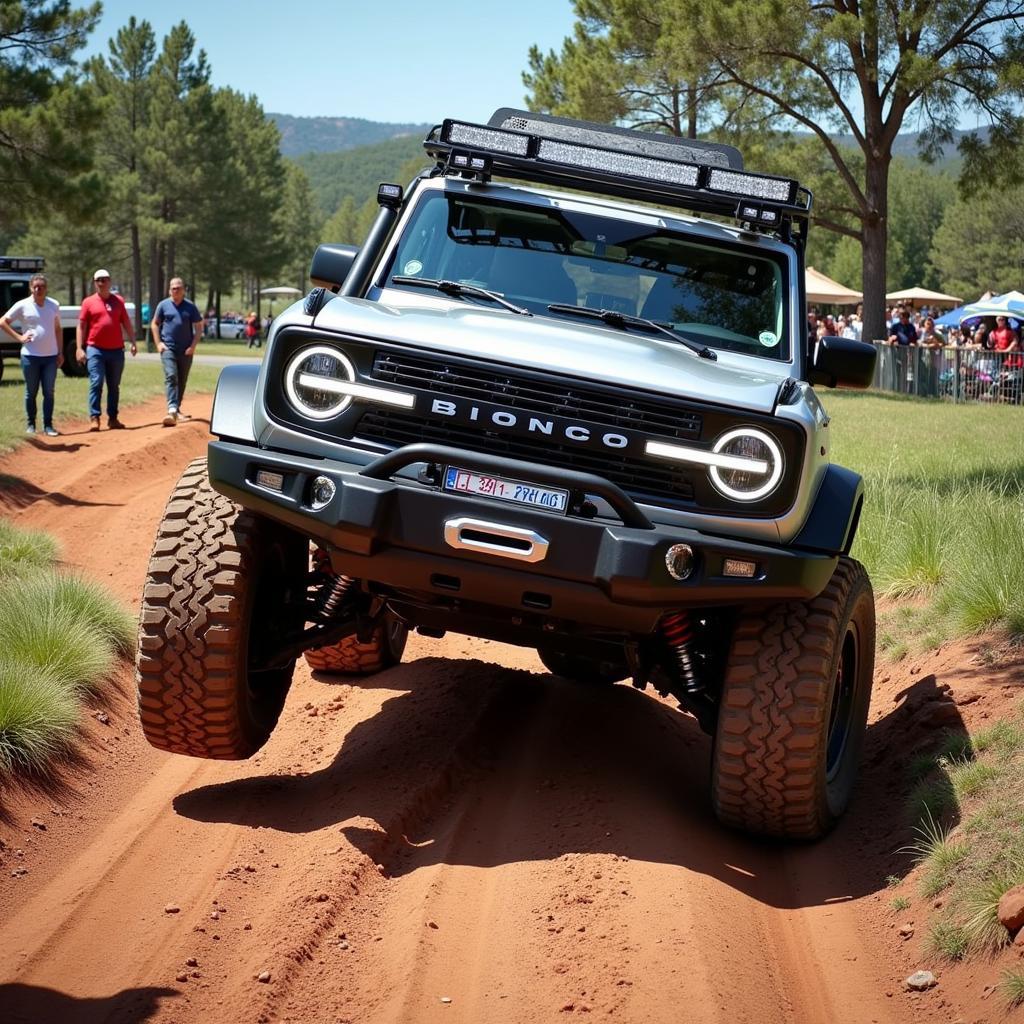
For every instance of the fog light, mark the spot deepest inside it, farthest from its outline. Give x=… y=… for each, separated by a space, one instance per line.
x=738 y=567
x=679 y=560
x=322 y=491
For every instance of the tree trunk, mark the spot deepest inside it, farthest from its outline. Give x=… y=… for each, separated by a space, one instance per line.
x=154 y=273
x=137 y=283
x=691 y=111
x=71 y=291
x=875 y=233
x=259 y=313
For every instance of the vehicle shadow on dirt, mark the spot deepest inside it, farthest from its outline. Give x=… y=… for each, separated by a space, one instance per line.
x=16 y=493
x=538 y=767
x=31 y=1004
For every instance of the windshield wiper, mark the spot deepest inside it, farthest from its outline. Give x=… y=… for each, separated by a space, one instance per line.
x=457 y=288
x=613 y=319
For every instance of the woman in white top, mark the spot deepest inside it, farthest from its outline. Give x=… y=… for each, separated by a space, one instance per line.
x=41 y=353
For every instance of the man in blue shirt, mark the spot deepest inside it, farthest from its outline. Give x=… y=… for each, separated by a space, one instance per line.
x=901 y=331
x=177 y=327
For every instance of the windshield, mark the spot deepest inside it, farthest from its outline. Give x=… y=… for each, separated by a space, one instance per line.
x=721 y=295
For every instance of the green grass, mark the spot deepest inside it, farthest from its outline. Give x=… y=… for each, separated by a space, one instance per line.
x=951 y=537
x=899 y=904
x=224 y=347
x=24 y=550
x=38 y=716
x=141 y=382
x=1012 y=988
x=978 y=780
x=60 y=638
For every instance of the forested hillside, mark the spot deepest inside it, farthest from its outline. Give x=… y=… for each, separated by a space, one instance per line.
x=301 y=135
x=355 y=173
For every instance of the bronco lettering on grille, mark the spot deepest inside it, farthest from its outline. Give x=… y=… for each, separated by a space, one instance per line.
x=490 y=417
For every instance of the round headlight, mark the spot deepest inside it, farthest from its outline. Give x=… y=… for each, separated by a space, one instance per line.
x=759 y=469
x=312 y=379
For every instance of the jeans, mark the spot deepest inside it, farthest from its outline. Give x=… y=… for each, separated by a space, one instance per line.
x=39 y=370
x=104 y=364
x=176 y=366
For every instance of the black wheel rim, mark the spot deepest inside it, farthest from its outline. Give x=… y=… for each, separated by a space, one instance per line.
x=844 y=695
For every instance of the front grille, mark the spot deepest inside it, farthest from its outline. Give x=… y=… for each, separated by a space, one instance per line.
x=641 y=480
x=538 y=396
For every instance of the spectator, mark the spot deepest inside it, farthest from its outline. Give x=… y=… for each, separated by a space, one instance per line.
x=930 y=334
x=268 y=320
x=855 y=324
x=177 y=327
x=103 y=326
x=902 y=332
x=252 y=329
x=41 y=350
x=1004 y=337
x=812 y=327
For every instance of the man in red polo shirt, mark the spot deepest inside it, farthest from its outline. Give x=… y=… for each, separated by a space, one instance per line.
x=103 y=327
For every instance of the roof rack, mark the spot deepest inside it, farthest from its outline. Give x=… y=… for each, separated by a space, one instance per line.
x=22 y=263
x=700 y=176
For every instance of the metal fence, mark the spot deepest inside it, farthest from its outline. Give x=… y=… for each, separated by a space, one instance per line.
x=957 y=374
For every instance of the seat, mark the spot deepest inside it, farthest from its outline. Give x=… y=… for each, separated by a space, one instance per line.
x=529 y=262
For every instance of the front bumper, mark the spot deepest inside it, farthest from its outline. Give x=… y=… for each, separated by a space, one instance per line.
x=387 y=527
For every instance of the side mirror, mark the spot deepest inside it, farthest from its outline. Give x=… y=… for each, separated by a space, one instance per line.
x=843 y=363
x=331 y=264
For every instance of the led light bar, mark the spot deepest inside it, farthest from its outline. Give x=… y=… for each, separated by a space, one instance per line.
x=700 y=457
x=389 y=195
x=756 y=186
x=645 y=167
x=22 y=262
x=369 y=393
x=459 y=133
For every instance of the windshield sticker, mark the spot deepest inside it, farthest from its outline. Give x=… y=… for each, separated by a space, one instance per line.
x=412 y=268
x=768 y=338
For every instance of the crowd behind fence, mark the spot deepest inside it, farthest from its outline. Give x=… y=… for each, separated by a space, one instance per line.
x=952 y=372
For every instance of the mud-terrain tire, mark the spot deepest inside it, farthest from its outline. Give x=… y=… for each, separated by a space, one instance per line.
x=580 y=669
x=217 y=581
x=794 y=709
x=350 y=657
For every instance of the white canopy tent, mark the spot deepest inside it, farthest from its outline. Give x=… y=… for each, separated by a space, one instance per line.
x=828 y=292
x=925 y=296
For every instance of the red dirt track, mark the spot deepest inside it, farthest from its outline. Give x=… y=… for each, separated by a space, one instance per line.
x=463 y=838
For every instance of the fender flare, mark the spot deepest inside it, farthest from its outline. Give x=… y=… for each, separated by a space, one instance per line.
x=234 y=401
x=832 y=524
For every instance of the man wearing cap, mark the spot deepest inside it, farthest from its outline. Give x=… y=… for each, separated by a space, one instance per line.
x=103 y=327
x=177 y=326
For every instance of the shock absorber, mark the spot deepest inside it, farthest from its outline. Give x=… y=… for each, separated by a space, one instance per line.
x=677 y=629
x=339 y=587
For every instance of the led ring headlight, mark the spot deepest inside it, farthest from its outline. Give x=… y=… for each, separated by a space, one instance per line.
x=765 y=457
x=305 y=369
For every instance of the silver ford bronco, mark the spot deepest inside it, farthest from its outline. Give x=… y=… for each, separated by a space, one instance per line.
x=544 y=403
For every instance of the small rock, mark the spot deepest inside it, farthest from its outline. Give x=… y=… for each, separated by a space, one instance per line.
x=1018 y=939
x=215 y=916
x=191 y=962
x=248 y=867
x=568 y=1007
x=314 y=713
x=103 y=718
x=39 y=824
x=446 y=999
x=263 y=977
x=322 y=897
x=906 y=931
x=968 y=698
x=172 y=908
x=343 y=944
x=181 y=976
x=247 y=927
x=1011 y=909
x=309 y=706
x=18 y=872
x=937 y=904
x=432 y=924
x=921 y=981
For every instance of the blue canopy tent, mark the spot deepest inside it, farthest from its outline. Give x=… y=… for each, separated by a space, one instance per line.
x=1009 y=305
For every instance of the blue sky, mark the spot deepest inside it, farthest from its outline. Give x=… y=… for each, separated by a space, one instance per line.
x=398 y=61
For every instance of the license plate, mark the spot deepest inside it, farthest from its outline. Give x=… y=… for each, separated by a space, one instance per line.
x=502 y=489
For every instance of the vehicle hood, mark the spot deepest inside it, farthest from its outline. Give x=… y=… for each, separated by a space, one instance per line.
x=588 y=350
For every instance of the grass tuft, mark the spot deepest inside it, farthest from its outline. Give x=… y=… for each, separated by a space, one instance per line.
x=1012 y=988
x=938 y=854
x=63 y=625
x=38 y=715
x=969 y=778
x=24 y=550
x=980 y=906
x=900 y=903
x=948 y=940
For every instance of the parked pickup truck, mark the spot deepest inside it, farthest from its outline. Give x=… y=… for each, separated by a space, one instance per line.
x=15 y=274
